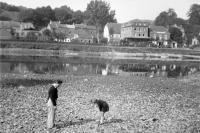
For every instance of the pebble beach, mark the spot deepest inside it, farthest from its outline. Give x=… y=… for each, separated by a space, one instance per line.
x=137 y=104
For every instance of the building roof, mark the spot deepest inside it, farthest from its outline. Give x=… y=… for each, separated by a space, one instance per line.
x=27 y=25
x=116 y=27
x=70 y=26
x=5 y=34
x=84 y=26
x=158 y=28
x=9 y=24
x=137 y=22
x=84 y=34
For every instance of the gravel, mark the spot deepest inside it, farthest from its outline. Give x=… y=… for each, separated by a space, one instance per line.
x=137 y=104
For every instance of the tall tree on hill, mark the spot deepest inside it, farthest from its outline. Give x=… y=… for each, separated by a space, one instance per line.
x=8 y=7
x=166 y=18
x=42 y=16
x=194 y=14
x=64 y=14
x=99 y=13
x=26 y=15
x=78 y=17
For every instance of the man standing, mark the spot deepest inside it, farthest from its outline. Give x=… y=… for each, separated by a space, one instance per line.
x=51 y=103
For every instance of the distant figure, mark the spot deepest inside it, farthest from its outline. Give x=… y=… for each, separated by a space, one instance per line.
x=51 y=103
x=103 y=108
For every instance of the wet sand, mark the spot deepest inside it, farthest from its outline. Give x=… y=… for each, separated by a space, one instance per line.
x=137 y=104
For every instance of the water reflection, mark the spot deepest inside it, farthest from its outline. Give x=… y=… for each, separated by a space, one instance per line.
x=87 y=66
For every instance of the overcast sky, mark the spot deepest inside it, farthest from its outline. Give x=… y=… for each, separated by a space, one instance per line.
x=125 y=9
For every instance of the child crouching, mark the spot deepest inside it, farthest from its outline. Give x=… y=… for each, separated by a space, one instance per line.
x=103 y=107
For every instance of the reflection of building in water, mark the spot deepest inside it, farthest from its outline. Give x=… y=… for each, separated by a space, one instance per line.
x=21 y=68
x=135 y=69
x=156 y=70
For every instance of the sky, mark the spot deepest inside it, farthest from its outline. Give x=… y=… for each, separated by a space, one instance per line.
x=125 y=10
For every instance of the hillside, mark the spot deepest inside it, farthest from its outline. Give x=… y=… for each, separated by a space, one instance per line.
x=9 y=15
x=9 y=12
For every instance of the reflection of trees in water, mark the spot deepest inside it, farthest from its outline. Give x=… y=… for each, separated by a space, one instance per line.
x=169 y=70
x=39 y=68
x=135 y=67
x=174 y=71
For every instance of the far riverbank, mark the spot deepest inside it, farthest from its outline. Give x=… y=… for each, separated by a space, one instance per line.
x=21 y=48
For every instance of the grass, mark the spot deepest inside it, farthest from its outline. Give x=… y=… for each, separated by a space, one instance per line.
x=93 y=48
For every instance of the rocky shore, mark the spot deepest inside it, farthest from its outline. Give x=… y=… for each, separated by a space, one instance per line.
x=137 y=104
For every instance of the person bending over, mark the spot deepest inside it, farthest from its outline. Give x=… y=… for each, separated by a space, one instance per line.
x=103 y=107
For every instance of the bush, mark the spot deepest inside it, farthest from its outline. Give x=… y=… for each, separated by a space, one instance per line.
x=104 y=40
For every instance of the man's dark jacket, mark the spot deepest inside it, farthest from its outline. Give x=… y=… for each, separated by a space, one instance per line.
x=53 y=95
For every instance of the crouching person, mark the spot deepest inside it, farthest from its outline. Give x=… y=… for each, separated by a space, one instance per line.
x=103 y=108
x=51 y=103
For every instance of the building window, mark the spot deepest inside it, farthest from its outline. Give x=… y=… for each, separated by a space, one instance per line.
x=143 y=34
x=139 y=34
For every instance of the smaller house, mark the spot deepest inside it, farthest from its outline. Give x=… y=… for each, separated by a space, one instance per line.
x=195 y=41
x=5 y=34
x=24 y=29
x=112 y=31
x=8 y=28
x=27 y=25
x=67 y=33
x=160 y=35
x=83 y=36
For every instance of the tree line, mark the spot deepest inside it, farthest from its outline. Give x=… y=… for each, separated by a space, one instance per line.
x=191 y=26
x=98 y=13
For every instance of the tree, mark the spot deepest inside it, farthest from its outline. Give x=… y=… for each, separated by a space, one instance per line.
x=180 y=21
x=166 y=18
x=47 y=32
x=8 y=7
x=42 y=16
x=78 y=17
x=26 y=15
x=176 y=35
x=98 y=13
x=191 y=31
x=162 y=19
x=64 y=14
x=194 y=14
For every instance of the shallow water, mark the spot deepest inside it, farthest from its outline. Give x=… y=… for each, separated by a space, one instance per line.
x=96 y=66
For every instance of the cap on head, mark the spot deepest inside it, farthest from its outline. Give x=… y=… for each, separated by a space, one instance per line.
x=59 y=82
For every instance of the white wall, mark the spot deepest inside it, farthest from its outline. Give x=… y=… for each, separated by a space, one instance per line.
x=106 y=33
